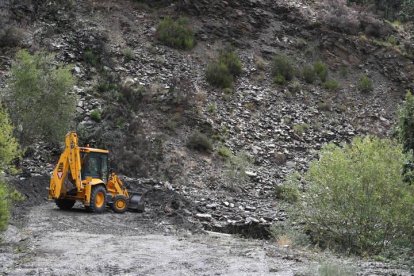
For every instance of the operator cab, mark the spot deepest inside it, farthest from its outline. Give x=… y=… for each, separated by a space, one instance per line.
x=94 y=164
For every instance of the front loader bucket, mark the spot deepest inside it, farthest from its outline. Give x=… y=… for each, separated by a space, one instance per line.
x=136 y=202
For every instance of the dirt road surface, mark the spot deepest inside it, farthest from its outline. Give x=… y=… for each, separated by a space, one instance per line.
x=55 y=242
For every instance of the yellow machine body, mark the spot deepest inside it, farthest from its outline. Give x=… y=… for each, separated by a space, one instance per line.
x=82 y=174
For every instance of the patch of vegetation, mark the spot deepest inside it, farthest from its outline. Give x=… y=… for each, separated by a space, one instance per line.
x=217 y=74
x=96 y=115
x=224 y=152
x=300 y=129
x=365 y=84
x=9 y=151
x=200 y=142
x=283 y=69
x=39 y=89
x=232 y=61
x=405 y=127
x=222 y=72
x=9 y=147
x=287 y=192
x=128 y=54
x=105 y=86
x=309 y=74
x=212 y=108
x=235 y=168
x=331 y=85
x=259 y=62
x=295 y=87
x=176 y=33
x=321 y=70
x=357 y=199
x=91 y=58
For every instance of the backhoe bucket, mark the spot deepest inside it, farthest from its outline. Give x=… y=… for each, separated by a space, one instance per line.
x=136 y=202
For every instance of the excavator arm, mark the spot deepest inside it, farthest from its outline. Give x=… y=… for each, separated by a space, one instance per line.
x=69 y=161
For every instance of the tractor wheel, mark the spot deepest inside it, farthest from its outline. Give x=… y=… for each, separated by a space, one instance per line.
x=98 y=199
x=120 y=204
x=64 y=204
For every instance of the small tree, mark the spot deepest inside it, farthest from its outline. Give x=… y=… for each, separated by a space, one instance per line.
x=405 y=128
x=357 y=199
x=40 y=97
x=9 y=150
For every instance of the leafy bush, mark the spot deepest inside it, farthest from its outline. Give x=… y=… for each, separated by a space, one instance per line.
x=235 y=168
x=321 y=70
x=176 y=34
x=199 y=141
x=309 y=74
x=405 y=127
x=289 y=193
x=232 y=62
x=91 y=58
x=300 y=129
x=9 y=148
x=224 y=152
x=283 y=69
x=222 y=72
x=128 y=54
x=40 y=90
x=365 y=84
x=217 y=74
x=331 y=85
x=357 y=199
x=96 y=115
x=4 y=206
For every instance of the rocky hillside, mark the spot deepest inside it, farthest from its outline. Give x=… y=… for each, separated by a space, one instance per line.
x=114 y=51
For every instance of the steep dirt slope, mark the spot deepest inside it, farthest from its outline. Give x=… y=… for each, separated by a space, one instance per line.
x=147 y=134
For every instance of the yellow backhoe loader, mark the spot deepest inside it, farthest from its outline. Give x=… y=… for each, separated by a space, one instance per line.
x=82 y=174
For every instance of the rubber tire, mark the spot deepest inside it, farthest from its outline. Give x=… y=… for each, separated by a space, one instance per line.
x=114 y=206
x=65 y=204
x=92 y=207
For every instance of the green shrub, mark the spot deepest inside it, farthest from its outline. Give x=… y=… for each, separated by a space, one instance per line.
x=176 y=33
x=405 y=127
x=128 y=54
x=300 y=129
x=283 y=69
x=321 y=70
x=365 y=84
x=212 y=108
x=309 y=74
x=217 y=74
x=224 y=152
x=289 y=190
x=91 y=58
x=39 y=89
x=200 y=142
x=104 y=86
x=235 y=168
x=222 y=72
x=9 y=148
x=232 y=62
x=4 y=206
x=331 y=85
x=357 y=200
x=96 y=115
x=279 y=79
